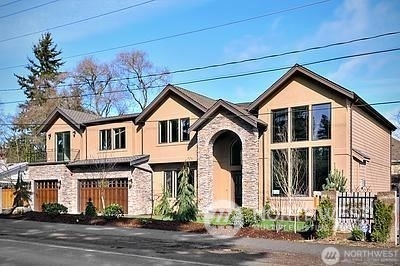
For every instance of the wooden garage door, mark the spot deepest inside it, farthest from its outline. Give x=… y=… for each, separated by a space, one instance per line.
x=113 y=190
x=7 y=197
x=45 y=192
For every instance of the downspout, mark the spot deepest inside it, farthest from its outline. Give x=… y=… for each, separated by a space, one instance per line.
x=86 y=145
x=351 y=146
x=142 y=139
x=263 y=169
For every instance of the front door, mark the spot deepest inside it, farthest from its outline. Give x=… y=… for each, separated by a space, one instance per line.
x=237 y=180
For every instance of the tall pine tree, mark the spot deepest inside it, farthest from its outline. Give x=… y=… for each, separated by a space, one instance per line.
x=43 y=71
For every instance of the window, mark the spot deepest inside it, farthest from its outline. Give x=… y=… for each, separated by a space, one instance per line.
x=172 y=181
x=163 y=131
x=63 y=146
x=175 y=130
x=119 y=138
x=185 y=124
x=300 y=123
x=321 y=166
x=105 y=139
x=115 y=141
x=280 y=125
x=236 y=153
x=299 y=163
x=297 y=184
x=321 y=121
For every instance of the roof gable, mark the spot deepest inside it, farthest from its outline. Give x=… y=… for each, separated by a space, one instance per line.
x=200 y=102
x=72 y=117
x=236 y=110
x=298 y=70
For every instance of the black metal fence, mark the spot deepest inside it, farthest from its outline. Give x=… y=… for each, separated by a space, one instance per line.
x=355 y=208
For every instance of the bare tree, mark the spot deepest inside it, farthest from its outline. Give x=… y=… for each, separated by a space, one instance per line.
x=289 y=171
x=139 y=77
x=94 y=82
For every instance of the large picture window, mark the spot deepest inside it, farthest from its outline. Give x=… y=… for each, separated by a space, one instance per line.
x=321 y=166
x=280 y=125
x=300 y=123
x=297 y=184
x=174 y=130
x=321 y=121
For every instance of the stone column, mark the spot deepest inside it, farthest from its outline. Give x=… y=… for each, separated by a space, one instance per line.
x=140 y=192
x=390 y=198
x=204 y=171
x=250 y=176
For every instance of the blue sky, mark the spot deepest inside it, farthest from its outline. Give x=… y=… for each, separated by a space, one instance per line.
x=281 y=26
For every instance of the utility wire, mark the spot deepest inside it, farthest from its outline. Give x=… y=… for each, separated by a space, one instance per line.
x=245 y=60
x=229 y=116
x=28 y=9
x=13 y=2
x=178 y=34
x=234 y=75
x=77 y=21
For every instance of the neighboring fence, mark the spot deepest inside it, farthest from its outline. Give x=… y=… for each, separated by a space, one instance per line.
x=354 y=208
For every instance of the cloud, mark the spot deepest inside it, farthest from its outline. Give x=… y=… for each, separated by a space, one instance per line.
x=347 y=69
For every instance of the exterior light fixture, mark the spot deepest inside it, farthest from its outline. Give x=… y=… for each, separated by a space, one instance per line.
x=49 y=135
x=59 y=184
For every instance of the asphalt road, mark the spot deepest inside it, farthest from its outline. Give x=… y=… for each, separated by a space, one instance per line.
x=34 y=243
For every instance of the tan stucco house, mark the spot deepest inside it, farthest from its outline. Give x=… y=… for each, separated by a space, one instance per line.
x=232 y=149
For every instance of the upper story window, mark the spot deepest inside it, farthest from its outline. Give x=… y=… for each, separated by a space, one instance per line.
x=63 y=146
x=300 y=123
x=174 y=130
x=112 y=139
x=321 y=121
x=119 y=138
x=280 y=125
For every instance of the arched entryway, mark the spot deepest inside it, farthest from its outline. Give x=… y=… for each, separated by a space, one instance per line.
x=227 y=167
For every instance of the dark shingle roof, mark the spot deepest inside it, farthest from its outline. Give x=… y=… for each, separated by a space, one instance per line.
x=117 y=118
x=79 y=117
x=116 y=160
x=201 y=99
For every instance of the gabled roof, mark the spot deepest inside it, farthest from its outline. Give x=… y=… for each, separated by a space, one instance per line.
x=236 y=110
x=72 y=117
x=111 y=119
x=298 y=70
x=199 y=101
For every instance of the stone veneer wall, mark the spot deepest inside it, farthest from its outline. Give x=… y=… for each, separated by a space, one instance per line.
x=250 y=178
x=66 y=193
x=140 y=199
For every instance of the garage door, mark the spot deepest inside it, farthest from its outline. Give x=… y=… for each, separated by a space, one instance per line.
x=113 y=190
x=46 y=191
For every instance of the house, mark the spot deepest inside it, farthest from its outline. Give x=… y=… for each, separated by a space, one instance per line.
x=395 y=179
x=233 y=150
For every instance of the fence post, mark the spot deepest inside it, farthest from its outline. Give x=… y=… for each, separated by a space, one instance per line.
x=333 y=197
x=390 y=199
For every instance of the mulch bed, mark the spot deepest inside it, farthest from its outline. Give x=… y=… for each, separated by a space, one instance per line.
x=149 y=224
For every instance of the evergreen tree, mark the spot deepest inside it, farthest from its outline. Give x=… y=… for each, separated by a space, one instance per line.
x=163 y=208
x=43 y=72
x=185 y=205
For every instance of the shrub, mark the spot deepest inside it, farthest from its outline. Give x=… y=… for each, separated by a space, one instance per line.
x=335 y=181
x=357 y=234
x=382 y=221
x=185 y=205
x=113 y=211
x=163 y=208
x=54 y=209
x=244 y=217
x=325 y=219
x=90 y=209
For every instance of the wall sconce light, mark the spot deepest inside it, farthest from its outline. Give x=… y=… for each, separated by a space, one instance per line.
x=49 y=136
x=73 y=133
x=59 y=184
x=130 y=183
